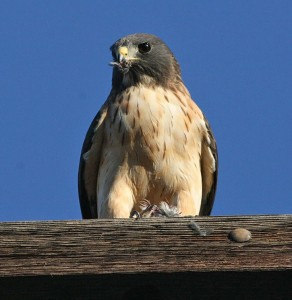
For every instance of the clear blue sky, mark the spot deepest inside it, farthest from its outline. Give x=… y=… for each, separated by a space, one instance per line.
x=236 y=60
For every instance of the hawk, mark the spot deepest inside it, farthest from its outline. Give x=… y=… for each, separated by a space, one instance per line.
x=149 y=141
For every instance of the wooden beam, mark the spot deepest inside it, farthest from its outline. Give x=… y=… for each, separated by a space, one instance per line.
x=111 y=258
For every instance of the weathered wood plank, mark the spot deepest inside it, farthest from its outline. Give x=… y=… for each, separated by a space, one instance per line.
x=128 y=246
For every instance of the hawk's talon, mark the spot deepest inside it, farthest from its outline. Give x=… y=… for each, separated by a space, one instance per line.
x=135 y=215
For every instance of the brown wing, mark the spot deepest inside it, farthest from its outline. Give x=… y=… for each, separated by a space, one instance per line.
x=89 y=165
x=209 y=169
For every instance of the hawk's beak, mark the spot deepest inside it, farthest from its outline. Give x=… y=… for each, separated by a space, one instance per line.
x=124 y=59
x=123 y=54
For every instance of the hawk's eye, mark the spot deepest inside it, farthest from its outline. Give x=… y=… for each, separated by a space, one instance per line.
x=144 y=48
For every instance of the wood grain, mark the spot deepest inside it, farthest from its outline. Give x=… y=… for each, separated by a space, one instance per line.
x=146 y=259
x=149 y=245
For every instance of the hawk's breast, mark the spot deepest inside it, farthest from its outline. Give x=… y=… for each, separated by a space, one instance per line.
x=158 y=132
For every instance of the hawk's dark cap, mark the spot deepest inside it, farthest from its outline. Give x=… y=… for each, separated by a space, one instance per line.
x=157 y=66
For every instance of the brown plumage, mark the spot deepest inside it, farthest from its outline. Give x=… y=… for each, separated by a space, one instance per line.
x=149 y=141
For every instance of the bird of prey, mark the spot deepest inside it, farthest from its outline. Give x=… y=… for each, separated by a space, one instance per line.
x=149 y=141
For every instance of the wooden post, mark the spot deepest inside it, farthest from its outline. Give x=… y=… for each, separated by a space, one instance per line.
x=147 y=259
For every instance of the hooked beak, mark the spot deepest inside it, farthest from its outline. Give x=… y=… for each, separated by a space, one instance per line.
x=122 y=54
x=124 y=59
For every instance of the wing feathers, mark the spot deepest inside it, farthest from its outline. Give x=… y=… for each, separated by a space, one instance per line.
x=89 y=165
x=209 y=169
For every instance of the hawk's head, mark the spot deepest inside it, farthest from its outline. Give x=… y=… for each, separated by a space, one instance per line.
x=143 y=58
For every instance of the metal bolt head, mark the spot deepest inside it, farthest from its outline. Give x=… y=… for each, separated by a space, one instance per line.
x=239 y=235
